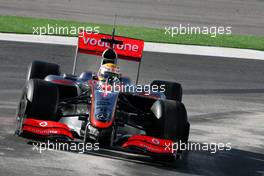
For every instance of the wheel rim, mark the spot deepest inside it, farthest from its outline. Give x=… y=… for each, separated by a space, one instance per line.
x=21 y=113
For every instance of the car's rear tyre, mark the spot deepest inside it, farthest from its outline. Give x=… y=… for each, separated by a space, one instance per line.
x=39 y=70
x=41 y=99
x=173 y=90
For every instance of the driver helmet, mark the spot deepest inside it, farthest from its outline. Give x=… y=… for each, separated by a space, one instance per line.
x=108 y=70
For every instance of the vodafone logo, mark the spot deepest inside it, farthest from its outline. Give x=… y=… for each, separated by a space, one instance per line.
x=96 y=42
x=155 y=141
x=43 y=124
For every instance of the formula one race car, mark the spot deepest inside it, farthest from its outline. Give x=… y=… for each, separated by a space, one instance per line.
x=103 y=107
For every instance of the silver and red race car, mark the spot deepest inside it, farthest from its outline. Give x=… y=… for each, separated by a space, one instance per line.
x=71 y=107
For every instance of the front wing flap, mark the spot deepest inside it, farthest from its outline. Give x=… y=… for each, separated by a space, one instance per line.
x=45 y=129
x=150 y=145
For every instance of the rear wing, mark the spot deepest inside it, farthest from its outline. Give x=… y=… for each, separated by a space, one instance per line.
x=91 y=43
x=96 y=43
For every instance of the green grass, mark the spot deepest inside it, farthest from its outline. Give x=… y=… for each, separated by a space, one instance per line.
x=24 y=25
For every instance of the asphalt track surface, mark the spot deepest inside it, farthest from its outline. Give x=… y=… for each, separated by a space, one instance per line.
x=223 y=96
x=245 y=17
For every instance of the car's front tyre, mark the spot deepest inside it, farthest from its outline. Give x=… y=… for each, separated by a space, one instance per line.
x=39 y=100
x=171 y=122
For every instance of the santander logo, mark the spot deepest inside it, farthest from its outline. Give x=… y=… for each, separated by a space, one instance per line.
x=43 y=124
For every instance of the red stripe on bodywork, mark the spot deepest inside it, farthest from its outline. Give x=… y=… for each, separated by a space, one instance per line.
x=61 y=81
x=95 y=122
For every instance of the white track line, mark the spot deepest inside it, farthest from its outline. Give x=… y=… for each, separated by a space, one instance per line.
x=206 y=51
x=151 y=47
x=57 y=40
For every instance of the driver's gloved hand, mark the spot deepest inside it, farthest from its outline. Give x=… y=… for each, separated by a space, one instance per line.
x=113 y=80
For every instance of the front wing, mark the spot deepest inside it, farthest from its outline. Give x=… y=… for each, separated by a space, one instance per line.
x=139 y=143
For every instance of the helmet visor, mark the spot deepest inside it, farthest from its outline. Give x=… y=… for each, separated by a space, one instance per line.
x=107 y=75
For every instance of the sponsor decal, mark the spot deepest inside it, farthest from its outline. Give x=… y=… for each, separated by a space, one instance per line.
x=102 y=116
x=155 y=141
x=43 y=124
